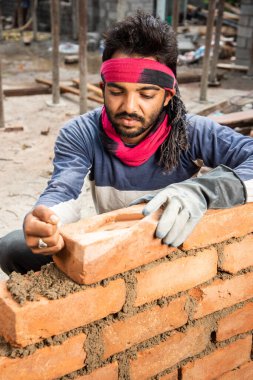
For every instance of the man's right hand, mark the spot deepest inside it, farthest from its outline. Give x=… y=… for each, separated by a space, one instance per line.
x=42 y=223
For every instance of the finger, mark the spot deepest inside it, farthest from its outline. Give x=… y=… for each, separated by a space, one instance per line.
x=34 y=227
x=46 y=215
x=189 y=227
x=50 y=250
x=168 y=218
x=33 y=241
x=155 y=203
x=177 y=228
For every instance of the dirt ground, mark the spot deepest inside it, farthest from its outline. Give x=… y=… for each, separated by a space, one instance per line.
x=26 y=156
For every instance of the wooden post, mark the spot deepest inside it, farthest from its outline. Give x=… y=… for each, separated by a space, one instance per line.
x=74 y=20
x=55 y=30
x=34 y=18
x=216 y=49
x=83 y=55
x=121 y=9
x=209 y=31
x=250 y=71
x=1 y=21
x=175 y=14
x=1 y=98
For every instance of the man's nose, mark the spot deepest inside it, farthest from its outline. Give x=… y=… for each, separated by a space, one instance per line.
x=130 y=104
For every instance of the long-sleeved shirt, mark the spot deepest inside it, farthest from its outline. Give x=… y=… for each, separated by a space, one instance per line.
x=79 y=152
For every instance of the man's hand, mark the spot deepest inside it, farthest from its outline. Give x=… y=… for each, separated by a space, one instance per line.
x=39 y=224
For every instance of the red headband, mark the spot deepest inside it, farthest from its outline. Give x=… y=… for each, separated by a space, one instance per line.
x=138 y=70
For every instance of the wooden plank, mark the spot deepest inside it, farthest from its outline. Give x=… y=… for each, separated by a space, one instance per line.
x=69 y=89
x=24 y=91
x=231 y=66
x=214 y=107
x=90 y=87
x=235 y=119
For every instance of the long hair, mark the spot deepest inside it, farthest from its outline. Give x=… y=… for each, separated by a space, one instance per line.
x=148 y=36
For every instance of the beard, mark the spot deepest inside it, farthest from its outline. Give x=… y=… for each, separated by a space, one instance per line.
x=144 y=126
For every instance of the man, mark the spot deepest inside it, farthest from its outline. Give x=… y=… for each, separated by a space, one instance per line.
x=141 y=146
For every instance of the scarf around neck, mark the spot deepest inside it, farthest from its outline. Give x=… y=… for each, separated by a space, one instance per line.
x=140 y=153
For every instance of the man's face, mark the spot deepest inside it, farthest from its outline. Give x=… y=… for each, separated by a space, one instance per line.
x=133 y=108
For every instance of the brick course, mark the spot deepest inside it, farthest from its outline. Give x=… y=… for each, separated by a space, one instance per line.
x=239 y=321
x=238 y=255
x=175 y=318
x=164 y=355
x=164 y=280
x=217 y=363
x=46 y=363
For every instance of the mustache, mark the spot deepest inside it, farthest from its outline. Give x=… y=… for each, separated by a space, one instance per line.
x=130 y=116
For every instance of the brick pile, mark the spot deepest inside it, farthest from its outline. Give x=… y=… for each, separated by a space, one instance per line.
x=149 y=312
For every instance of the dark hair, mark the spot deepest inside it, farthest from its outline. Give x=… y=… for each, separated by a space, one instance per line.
x=146 y=35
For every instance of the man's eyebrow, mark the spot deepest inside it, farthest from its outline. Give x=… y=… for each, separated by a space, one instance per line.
x=110 y=84
x=156 y=88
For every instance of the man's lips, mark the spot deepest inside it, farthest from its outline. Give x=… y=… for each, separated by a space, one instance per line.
x=128 y=122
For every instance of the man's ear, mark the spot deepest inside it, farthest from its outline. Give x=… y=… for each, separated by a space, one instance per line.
x=168 y=96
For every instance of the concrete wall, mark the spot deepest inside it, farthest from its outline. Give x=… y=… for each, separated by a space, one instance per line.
x=245 y=33
x=176 y=314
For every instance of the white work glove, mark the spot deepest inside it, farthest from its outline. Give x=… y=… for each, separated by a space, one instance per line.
x=186 y=202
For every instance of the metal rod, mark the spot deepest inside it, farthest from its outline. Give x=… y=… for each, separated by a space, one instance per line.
x=83 y=55
x=216 y=49
x=209 y=31
x=1 y=98
x=55 y=30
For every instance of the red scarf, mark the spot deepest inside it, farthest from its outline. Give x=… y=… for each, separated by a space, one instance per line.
x=139 y=154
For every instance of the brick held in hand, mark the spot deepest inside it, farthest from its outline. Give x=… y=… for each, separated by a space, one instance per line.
x=108 y=244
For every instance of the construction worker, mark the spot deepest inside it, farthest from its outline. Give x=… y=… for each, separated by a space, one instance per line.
x=141 y=146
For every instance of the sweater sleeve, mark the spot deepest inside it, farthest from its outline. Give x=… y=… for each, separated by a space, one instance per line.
x=72 y=162
x=216 y=144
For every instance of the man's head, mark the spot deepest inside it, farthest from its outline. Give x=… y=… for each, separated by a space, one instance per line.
x=145 y=36
x=136 y=92
x=143 y=84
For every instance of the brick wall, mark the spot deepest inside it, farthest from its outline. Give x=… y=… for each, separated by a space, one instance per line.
x=142 y=310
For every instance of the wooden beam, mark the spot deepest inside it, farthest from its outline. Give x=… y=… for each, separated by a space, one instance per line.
x=26 y=91
x=90 y=87
x=232 y=66
x=210 y=22
x=216 y=49
x=175 y=14
x=83 y=55
x=70 y=89
x=1 y=98
x=235 y=119
x=55 y=30
x=34 y=18
x=214 y=107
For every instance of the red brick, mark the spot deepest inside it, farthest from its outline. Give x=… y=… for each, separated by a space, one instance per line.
x=171 y=277
x=33 y=321
x=108 y=244
x=222 y=293
x=238 y=322
x=221 y=225
x=218 y=362
x=177 y=347
x=170 y=376
x=108 y=372
x=237 y=255
x=245 y=372
x=121 y=335
x=46 y=363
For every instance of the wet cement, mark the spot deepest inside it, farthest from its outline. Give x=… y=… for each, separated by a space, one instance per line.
x=50 y=282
